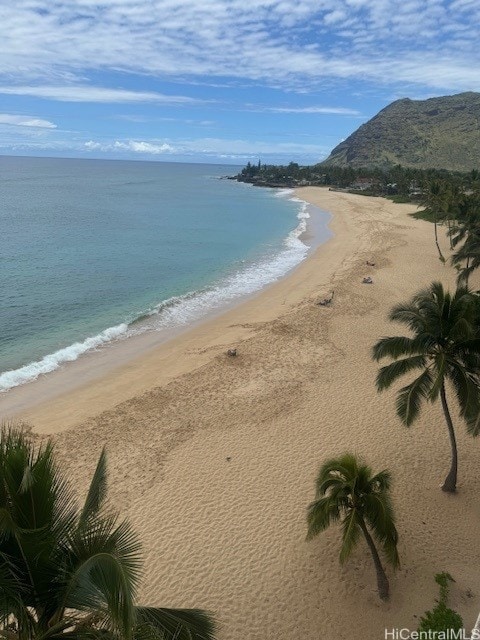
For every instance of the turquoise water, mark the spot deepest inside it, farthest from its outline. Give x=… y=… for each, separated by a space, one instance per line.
x=96 y=250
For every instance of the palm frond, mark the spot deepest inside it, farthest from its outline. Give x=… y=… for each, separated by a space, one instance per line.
x=388 y=374
x=439 y=371
x=378 y=512
x=394 y=347
x=463 y=329
x=8 y=526
x=347 y=463
x=12 y=591
x=37 y=495
x=74 y=626
x=174 y=624
x=336 y=470
x=390 y=551
x=467 y=391
x=103 y=570
x=102 y=583
x=473 y=424
x=321 y=514
x=97 y=491
x=350 y=535
x=381 y=481
x=469 y=346
x=410 y=397
x=107 y=535
x=408 y=314
x=434 y=293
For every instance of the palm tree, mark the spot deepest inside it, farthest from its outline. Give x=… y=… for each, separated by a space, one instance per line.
x=346 y=490
x=436 y=201
x=466 y=233
x=445 y=346
x=69 y=573
x=467 y=258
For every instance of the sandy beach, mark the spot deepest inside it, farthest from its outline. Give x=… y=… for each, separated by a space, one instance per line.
x=213 y=459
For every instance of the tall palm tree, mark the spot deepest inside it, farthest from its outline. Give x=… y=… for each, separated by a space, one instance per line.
x=467 y=258
x=444 y=347
x=467 y=239
x=436 y=201
x=69 y=573
x=347 y=491
x=465 y=235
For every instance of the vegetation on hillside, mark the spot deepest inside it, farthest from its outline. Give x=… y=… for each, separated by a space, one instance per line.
x=440 y=133
x=405 y=146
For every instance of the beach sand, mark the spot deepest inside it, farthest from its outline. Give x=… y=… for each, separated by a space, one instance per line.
x=213 y=458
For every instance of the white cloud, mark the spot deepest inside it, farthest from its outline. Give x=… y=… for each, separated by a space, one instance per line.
x=91 y=145
x=276 y=42
x=207 y=147
x=143 y=147
x=130 y=146
x=26 y=121
x=334 y=17
x=94 y=94
x=340 y=111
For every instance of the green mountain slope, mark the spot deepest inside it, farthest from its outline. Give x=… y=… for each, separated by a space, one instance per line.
x=441 y=133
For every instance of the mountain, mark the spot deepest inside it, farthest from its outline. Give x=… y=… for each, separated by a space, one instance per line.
x=440 y=133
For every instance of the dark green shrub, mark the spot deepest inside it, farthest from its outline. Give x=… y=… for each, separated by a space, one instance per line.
x=441 y=617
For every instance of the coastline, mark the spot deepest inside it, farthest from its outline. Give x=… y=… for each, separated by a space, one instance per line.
x=123 y=352
x=229 y=535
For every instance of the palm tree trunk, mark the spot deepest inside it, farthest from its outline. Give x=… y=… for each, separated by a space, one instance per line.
x=450 y=484
x=382 y=580
x=436 y=239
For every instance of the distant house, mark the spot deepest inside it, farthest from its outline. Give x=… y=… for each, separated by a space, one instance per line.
x=414 y=189
x=363 y=184
x=392 y=188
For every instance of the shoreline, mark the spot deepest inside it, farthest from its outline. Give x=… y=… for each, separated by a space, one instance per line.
x=213 y=459
x=21 y=401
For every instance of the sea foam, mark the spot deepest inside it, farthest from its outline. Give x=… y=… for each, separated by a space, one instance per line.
x=52 y=361
x=243 y=282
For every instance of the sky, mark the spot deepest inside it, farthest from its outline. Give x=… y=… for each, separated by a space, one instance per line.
x=220 y=81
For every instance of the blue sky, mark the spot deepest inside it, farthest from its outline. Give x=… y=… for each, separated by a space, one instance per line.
x=220 y=80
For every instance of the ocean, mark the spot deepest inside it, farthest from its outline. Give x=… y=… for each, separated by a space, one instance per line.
x=94 y=251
